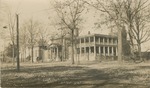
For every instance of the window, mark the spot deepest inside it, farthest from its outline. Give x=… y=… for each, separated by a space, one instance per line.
x=97 y=49
x=92 y=49
x=105 y=40
x=87 y=49
x=82 y=50
x=96 y=39
x=110 y=50
x=109 y=40
x=91 y=39
x=106 y=50
x=101 y=49
x=86 y=40
x=115 y=41
x=101 y=40
x=114 y=50
x=78 y=50
x=82 y=40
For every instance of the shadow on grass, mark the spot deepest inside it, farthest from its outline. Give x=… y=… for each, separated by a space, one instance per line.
x=42 y=69
x=68 y=77
x=144 y=67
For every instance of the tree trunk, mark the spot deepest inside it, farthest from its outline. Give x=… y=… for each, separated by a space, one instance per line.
x=139 y=52
x=62 y=50
x=75 y=48
x=32 y=54
x=42 y=54
x=120 y=45
x=42 y=49
x=72 y=45
x=13 y=53
x=24 y=55
x=65 y=51
x=131 y=41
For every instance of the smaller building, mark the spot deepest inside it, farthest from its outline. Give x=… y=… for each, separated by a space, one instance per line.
x=36 y=53
x=59 y=49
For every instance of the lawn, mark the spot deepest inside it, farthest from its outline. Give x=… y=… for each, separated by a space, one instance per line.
x=85 y=75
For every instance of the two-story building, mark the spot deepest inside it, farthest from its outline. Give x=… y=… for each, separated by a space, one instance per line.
x=97 y=47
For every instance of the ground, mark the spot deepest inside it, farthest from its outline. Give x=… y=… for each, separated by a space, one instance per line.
x=83 y=75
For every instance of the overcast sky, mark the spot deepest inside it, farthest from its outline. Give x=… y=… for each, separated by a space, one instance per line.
x=41 y=10
x=28 y=8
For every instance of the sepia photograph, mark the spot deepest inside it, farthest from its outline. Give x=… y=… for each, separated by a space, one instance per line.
x=75 y=43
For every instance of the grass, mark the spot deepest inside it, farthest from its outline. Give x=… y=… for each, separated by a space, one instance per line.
x=85 y=75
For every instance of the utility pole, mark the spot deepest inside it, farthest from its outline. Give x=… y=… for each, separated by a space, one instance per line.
x=17 y=24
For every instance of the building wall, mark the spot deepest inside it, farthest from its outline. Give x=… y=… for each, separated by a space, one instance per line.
x=35 y=53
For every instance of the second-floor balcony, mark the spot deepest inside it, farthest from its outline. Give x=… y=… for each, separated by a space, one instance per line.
x=97 y=40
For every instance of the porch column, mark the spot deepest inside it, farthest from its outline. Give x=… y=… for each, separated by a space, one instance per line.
x=54 y=52
x=57 y=57
x=110 y=40
x=116 y=51
x=104 y=50
x=89 y=50
x=50 y=53
x=108 y=51
x=57 y=51
x=107 y=40
x=84 y=51
x=103 y=40
x=112 y=51
x=99 y=50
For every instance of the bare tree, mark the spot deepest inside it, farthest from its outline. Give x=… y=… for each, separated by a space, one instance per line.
x=137 y=19
x=44 y=36
x=23 y=41
x=32 y=28
x=8 y=32
x=69 y=13
x=130 y=13
x=12 y=32
x=113 y=12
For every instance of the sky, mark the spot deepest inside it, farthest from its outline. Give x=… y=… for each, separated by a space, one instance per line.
x=42 y=10
x=28 y=8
